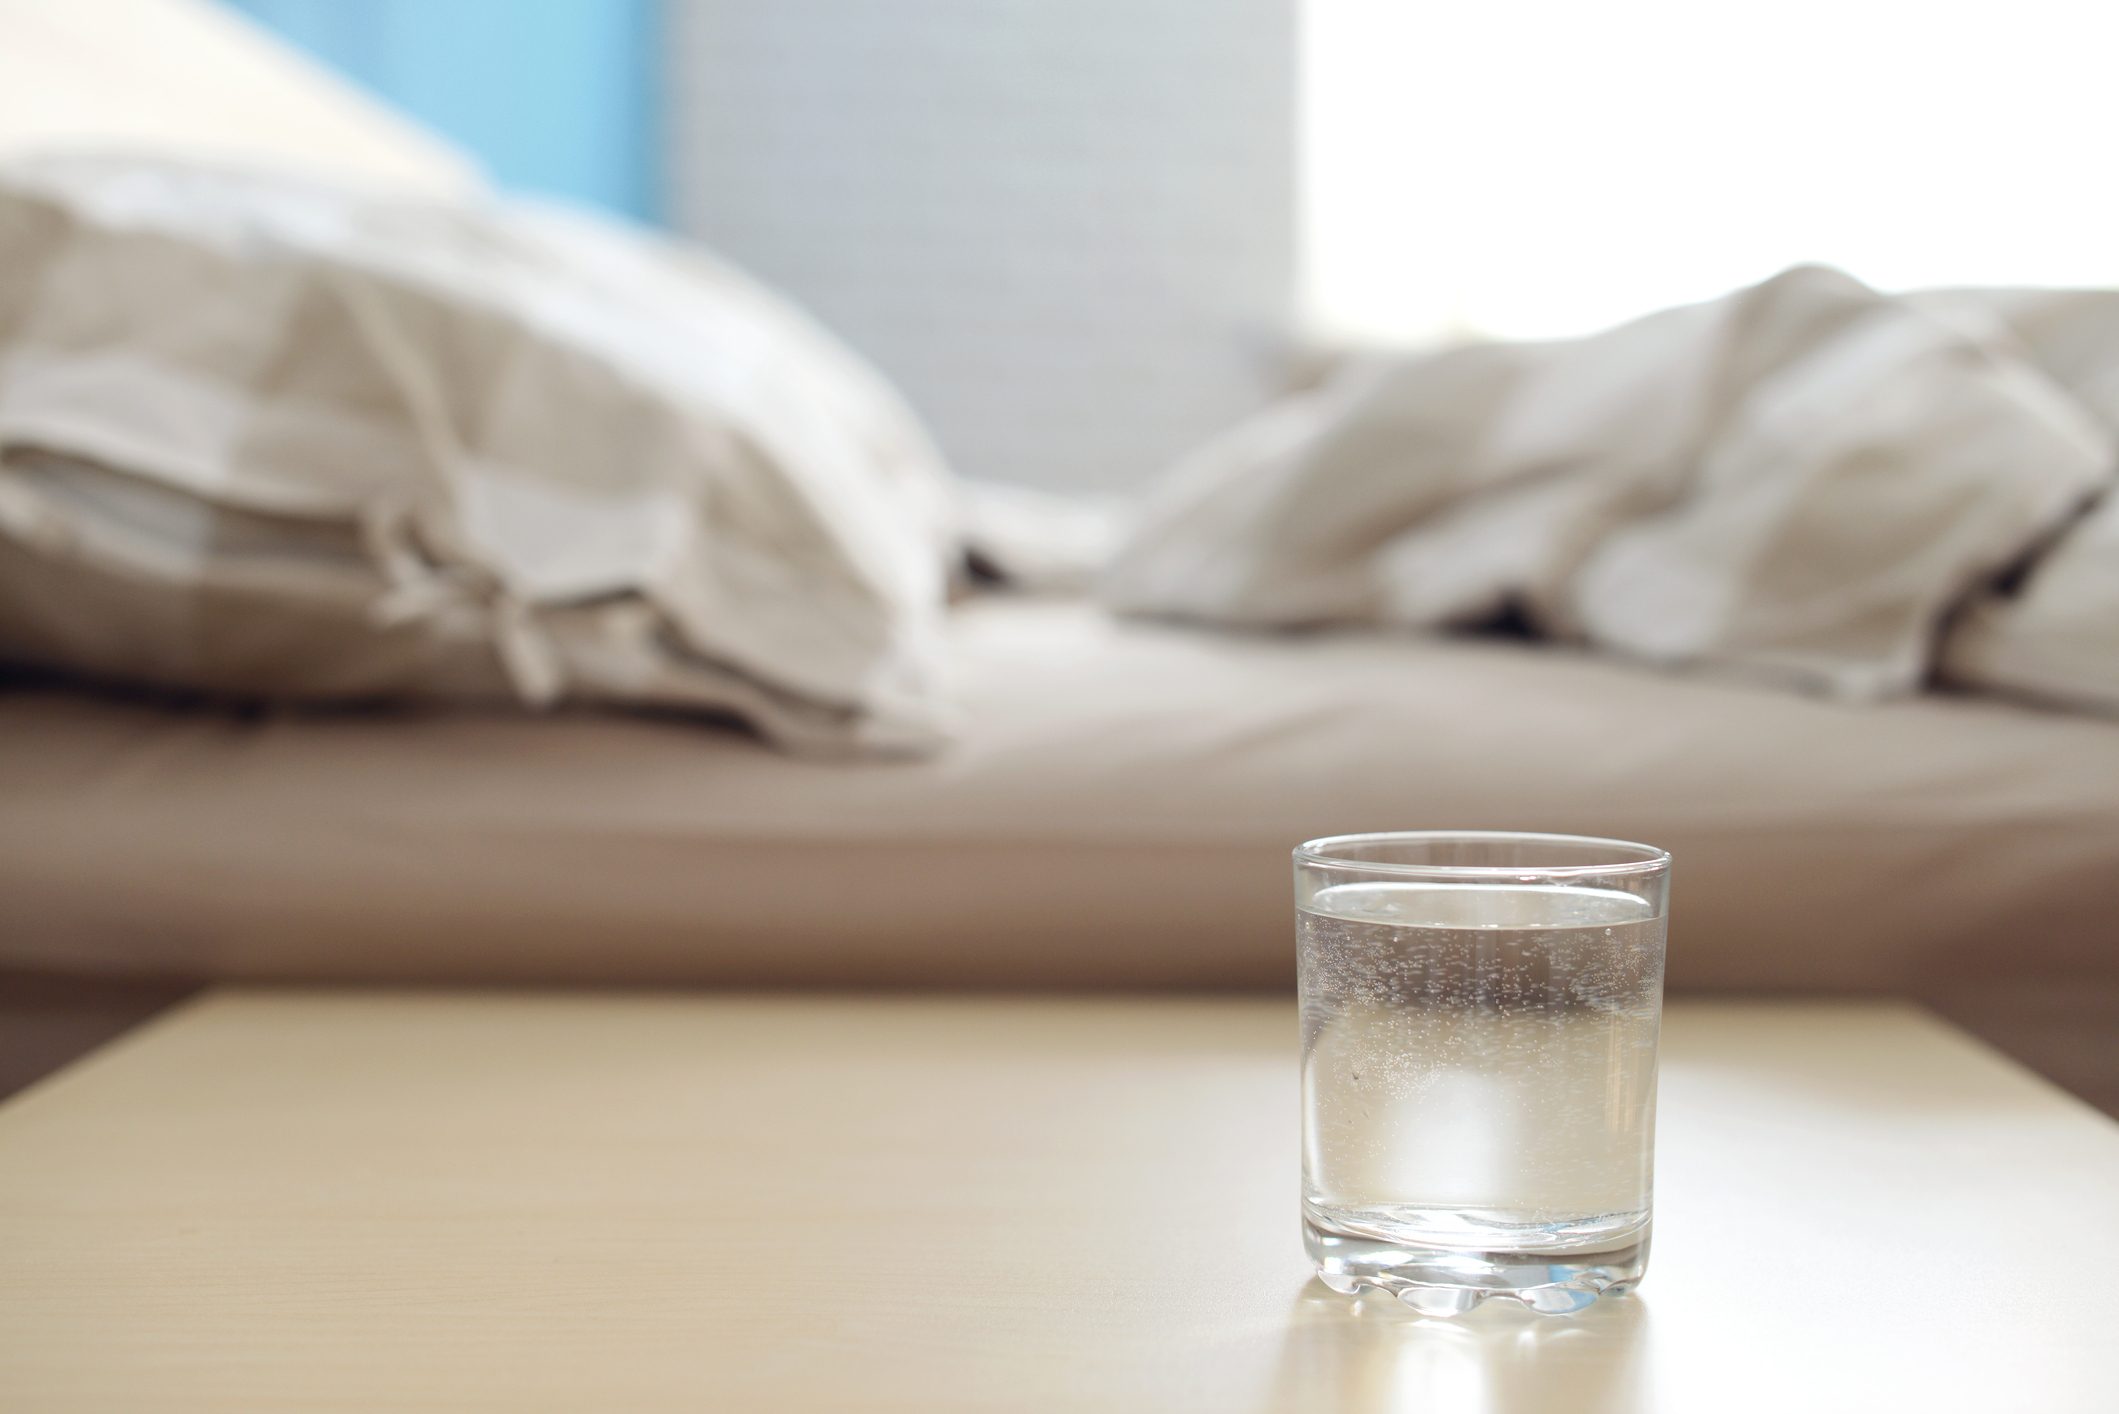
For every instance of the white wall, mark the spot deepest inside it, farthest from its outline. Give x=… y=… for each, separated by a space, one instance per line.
x=1063 y=226
x=1579 y=164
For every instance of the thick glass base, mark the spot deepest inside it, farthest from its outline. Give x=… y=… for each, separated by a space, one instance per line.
x=1448 y=1281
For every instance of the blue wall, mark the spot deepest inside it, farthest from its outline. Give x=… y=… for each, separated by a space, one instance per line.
x=559 y=97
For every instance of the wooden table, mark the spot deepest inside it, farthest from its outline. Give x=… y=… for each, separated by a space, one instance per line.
x=363 y=1201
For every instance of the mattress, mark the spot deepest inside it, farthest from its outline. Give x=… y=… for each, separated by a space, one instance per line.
x=1118 y=812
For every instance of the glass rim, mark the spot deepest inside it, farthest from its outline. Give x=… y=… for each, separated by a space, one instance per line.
x=1650 y=859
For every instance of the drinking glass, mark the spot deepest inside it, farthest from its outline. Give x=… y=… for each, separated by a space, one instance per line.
x=1479 y=1019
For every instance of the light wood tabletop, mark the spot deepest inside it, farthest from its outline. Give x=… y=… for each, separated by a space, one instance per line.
x=367 y=1201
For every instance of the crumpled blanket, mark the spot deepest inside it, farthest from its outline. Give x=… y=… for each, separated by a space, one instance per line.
x=1806 y=480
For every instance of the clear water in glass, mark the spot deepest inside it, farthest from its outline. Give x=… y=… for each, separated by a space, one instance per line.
x=1479 y=1069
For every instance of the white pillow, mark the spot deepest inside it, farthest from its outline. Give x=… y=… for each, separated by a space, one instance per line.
x=192 y=79
x=617 y=468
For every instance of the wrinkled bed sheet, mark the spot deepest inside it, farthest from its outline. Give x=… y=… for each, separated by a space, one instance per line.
x=1118 y=813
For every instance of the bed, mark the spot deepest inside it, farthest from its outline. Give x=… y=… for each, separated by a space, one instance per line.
x=1117 y=813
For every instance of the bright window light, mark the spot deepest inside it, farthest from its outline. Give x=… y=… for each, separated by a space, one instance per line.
x=1526 y=168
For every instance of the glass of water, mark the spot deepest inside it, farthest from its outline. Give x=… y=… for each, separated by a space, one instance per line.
x=1479 y=1019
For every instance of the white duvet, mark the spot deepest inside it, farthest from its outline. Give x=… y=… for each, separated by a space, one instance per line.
x=1807 y=480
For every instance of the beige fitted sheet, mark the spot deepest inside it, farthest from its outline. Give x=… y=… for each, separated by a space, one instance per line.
x=1118 y=814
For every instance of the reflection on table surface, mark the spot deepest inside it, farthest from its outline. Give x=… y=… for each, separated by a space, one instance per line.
x=1371 y=1353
